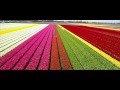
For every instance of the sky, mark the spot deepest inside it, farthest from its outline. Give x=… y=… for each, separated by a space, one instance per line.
x=104 y=21
x=107 y=21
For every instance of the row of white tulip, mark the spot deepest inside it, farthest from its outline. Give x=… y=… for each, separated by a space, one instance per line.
x=12 y=42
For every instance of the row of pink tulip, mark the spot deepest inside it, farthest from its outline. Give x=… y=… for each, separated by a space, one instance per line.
x=12 y=58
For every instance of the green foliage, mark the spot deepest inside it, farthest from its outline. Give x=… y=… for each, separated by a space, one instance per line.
x=82 y=56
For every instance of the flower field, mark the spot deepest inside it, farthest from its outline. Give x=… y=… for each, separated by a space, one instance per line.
x=58 y=47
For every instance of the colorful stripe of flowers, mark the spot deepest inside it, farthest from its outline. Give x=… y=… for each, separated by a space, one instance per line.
x=59 y=47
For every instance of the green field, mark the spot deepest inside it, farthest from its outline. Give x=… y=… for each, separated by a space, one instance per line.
x=81 y=56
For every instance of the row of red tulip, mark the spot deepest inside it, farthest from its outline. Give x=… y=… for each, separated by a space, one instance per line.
x=106 y=40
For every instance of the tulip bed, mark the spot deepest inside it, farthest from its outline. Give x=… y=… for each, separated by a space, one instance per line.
x=55 y=59
x=59 y=59
x=51 y=47
x=82 y=56
x=11 y=40
x=65 y=62
x=106 y=40
x=18 y=54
